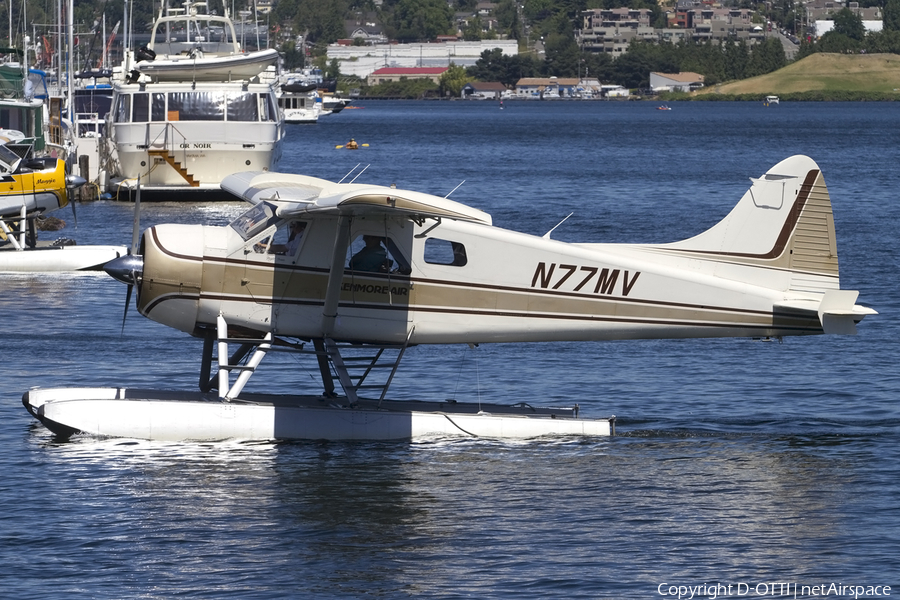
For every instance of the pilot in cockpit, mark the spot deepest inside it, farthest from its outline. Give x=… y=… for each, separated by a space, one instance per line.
x=373 y=257
x=296 y=229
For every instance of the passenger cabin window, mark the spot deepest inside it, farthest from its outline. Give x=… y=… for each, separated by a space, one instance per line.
x=444 y=252
x=193 y=106
x=123 y=108
x=140 y=107
x=243 y=107
x=158 y=107
x=376 y=254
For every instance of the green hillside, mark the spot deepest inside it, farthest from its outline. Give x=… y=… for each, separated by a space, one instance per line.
x=820 y=74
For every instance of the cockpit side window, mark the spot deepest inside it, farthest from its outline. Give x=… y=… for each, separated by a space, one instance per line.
x=376 y=254
x=445 y=252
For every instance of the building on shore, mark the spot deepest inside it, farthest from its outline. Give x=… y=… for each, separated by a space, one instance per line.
x=363 y=60
x=389 y=74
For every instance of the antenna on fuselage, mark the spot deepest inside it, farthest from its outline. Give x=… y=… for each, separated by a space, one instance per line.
x=454 y=189
x=351 y=172
x=360 y=173
x=348 y=174
x=546 y=236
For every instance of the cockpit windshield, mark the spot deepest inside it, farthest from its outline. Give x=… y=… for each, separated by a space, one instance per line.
x=9 y=160
x=255 y=220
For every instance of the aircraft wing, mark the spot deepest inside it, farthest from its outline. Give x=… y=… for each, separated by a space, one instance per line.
x=298 y=195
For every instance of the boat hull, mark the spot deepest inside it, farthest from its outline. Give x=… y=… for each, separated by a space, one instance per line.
x=58 y=258
x=193 y=416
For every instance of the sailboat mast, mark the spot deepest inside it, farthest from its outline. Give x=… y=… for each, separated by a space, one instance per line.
x=70 y=26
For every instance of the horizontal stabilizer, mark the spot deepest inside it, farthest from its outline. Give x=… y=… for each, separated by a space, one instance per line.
x=837 y=310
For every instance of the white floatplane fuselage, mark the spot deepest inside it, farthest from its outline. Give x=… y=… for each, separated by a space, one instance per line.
x=392 y=268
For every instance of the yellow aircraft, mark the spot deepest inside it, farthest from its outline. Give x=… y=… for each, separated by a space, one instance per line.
x=30 y=188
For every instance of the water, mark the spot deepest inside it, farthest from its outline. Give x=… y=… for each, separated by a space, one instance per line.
x=737 y=462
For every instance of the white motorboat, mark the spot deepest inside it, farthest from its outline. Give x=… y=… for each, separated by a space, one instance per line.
x=333 y=104
x=198 y=67
x=300 y=103
x=183 y=128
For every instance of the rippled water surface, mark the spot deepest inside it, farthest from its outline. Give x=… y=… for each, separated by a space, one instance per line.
x=736 y=461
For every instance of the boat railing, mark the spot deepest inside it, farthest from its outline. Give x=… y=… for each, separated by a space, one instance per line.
x=167 y=138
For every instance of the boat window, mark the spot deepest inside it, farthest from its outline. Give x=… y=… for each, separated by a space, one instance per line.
x=123 y=108
x=269 y=107
x=242 y=107
x=376 y=254
x=158 y=108
x=140 y=108
x=254 y=220
x=444 y=252
x=196 y=106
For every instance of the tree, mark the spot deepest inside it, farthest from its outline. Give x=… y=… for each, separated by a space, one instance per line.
x=419 y=20
x=892 y=15
x=563 y=57
x=293 y=58
x=765 y=58
x=496 y=66
x=453 y=80
x=472 y=31
x=849 y=23
x=333 y=70
x=507 y=15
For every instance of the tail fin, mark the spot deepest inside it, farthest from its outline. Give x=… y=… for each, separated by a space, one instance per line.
x=784 y=221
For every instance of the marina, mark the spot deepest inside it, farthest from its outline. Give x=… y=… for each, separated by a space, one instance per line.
x=733 y=460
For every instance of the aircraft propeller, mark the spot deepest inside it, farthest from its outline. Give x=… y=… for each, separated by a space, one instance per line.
x=129 y=268
x=73 y=182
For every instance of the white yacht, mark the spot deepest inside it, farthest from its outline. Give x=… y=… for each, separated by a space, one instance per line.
x=192 y=109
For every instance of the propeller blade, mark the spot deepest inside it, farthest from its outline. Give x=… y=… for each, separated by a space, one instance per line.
x=73 y=182
x=127 y=302
x=128 y=269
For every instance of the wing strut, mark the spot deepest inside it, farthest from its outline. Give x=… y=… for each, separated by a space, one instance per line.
x=335 y=276
x=354 y=368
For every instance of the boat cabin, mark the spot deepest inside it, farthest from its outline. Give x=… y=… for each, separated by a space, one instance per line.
x=194 y=105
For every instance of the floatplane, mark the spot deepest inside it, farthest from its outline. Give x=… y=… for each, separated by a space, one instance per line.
x=370 y=271
x=29 y=189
